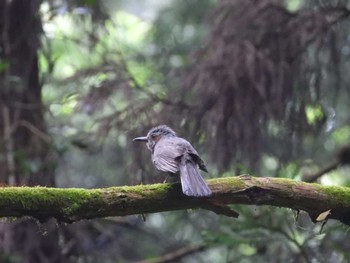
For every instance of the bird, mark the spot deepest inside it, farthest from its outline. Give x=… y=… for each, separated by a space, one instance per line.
x=173 y=154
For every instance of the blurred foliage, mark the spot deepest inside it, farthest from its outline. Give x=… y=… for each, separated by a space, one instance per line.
x=113 y=69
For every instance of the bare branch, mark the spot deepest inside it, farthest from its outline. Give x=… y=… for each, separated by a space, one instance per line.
x=342 y=158
x=176 y=255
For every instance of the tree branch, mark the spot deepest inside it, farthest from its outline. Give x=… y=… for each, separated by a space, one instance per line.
x=342 y=158
x=176 y=255
x=73 y=204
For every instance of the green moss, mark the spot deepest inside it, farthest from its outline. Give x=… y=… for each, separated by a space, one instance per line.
x=335 y=193
x=34 y=197
x=228 y=181
x=142 y=189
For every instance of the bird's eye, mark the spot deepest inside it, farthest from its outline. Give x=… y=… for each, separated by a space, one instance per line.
x=153 y=136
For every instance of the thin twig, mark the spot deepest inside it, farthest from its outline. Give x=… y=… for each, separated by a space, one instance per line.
x=176 y=255
x=42 y=135
x=221 y=210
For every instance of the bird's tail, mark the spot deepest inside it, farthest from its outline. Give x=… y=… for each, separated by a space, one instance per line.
x=192 y=182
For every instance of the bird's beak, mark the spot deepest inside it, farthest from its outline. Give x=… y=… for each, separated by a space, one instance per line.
x=141 y=139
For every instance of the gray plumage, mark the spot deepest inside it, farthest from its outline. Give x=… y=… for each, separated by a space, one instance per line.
x=174 y=154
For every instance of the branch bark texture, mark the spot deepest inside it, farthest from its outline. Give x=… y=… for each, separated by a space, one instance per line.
x=73 y=204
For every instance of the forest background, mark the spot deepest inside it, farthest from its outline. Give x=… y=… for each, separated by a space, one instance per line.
x=258 y=87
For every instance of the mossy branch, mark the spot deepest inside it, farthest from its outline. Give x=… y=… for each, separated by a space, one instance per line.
x=73 y=204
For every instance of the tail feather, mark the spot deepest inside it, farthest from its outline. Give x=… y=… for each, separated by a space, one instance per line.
x=192 y=182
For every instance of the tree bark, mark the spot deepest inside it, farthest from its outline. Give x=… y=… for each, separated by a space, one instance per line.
x=26 y=158
x=69 y=205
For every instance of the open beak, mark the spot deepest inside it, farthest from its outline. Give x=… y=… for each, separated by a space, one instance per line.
x=141 y=139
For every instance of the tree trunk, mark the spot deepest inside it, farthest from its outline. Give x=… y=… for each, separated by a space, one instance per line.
x=24 y=144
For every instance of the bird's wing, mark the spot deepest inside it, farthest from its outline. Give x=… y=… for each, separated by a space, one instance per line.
x=168 y=151
x=166 y=154
x=195 y=157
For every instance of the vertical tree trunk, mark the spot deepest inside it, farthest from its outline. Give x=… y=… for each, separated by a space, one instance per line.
x=24 y=145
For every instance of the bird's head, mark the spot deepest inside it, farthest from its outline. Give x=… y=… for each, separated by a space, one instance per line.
x=155 y=134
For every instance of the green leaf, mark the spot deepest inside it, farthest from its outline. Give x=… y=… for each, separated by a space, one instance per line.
x=313 y=114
